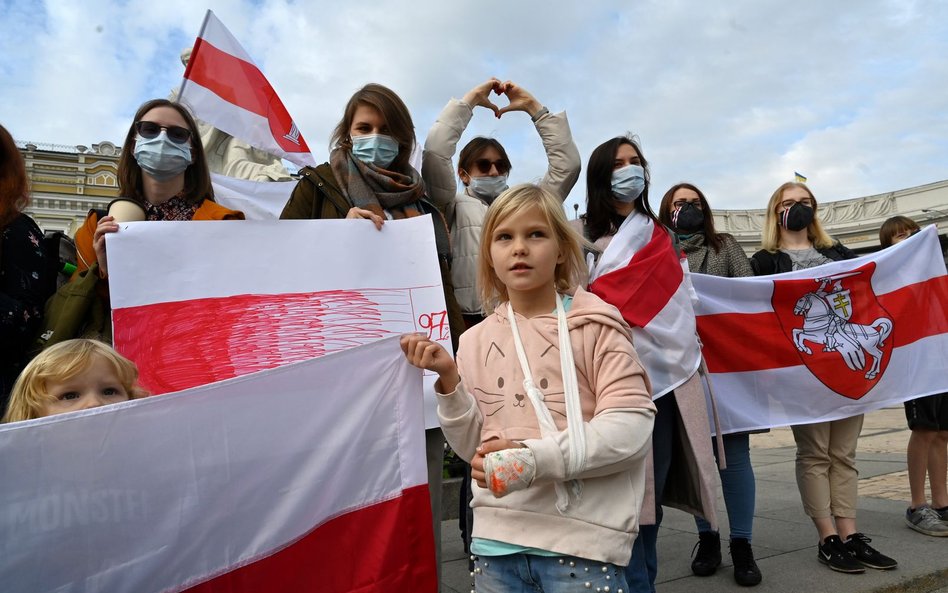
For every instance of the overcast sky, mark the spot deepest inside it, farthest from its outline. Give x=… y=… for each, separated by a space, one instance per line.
x=732 y=96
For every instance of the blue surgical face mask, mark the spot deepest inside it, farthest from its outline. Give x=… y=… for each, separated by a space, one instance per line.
x=488 y=188
x=376 y=149
x=161 y=158
x=628 y=183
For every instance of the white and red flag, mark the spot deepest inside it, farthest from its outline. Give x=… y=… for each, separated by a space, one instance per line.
x=227 y=90
x=307 y=477
x=642 y=275
x=830 y=342
x=267 y=293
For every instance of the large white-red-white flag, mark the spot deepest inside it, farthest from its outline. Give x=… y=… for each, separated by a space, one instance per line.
x=307 y=477
x=830 y=342
x=227 y=90
x=642 y=275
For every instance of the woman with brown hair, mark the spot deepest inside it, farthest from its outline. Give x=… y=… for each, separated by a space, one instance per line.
x=685 y=210
x=22 y=267
x=369 y=176
x=163 y=168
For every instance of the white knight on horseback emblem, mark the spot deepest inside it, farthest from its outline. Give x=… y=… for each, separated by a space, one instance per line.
x=826 y=316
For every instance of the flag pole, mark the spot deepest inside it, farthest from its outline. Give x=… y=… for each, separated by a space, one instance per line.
x=197 y=41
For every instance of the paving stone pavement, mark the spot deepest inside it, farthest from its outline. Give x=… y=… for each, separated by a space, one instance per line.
x=784 y=537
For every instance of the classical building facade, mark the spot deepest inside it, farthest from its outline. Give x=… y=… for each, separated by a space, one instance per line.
x=67 y=181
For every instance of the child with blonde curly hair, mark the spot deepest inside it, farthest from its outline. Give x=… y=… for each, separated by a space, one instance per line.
x=70 y=376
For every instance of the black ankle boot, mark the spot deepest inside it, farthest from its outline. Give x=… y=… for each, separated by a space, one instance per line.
x=708 y=558
x=746 y=572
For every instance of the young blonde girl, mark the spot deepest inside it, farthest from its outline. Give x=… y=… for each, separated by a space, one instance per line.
x=549 y=404
x=72 y=375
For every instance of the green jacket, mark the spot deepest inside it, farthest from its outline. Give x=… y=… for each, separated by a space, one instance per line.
x=317 y=196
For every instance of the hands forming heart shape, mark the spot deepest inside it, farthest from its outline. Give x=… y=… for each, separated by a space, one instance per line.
x=519 y=98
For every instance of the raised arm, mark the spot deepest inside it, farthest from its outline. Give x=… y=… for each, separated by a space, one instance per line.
x=437 y=166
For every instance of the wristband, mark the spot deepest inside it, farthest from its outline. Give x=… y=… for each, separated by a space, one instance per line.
x=543 y=111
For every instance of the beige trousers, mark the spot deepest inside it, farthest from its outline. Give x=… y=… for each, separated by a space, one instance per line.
x=826 y=467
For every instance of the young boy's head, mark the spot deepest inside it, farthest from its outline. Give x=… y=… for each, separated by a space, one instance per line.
x=72 y=375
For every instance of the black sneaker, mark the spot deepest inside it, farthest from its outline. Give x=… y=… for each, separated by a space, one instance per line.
x=708 y=558
x=746 y=572
x=834 y=553
x=858 y=545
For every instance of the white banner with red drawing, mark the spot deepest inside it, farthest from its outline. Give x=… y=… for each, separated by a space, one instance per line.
x=830 y=342
x=308 y=477
x=202 y=301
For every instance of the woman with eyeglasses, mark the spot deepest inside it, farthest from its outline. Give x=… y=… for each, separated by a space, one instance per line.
x=483 y=168
x=163 y=168
x=617 y=186
x=794 y=239
x=685 y=210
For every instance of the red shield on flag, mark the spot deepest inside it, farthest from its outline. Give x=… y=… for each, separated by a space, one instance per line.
x=838 y=328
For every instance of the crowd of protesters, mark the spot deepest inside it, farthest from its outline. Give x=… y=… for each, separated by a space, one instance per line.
x=581 y=486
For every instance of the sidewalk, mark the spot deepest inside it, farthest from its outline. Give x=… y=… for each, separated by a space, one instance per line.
x=784 y=537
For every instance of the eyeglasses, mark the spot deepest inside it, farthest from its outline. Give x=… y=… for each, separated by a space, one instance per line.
x=786 y=204
x=681 y=204
x=150 y=129
x=483 y=166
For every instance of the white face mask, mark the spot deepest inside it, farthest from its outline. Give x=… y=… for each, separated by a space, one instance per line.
x=628 y=183
x=160 y=157
x=376 y=149
x=488 y=188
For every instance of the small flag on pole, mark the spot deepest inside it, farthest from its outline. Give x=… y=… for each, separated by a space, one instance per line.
x=226 y=89
x=799 y=178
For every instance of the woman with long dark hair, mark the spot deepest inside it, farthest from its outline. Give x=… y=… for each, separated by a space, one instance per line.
x=685 y=210
x=617 y=188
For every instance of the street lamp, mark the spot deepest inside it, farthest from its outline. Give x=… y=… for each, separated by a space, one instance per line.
x=575 y=210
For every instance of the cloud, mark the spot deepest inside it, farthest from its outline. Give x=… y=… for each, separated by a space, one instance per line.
x=734 y=97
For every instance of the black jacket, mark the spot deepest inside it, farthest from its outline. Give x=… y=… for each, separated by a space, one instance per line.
x=765 y=263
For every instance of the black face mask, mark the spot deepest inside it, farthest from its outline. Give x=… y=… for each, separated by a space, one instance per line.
x=689 y=218
x=796 y=217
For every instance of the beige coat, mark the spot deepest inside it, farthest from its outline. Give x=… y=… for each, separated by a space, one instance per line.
x=465 y=212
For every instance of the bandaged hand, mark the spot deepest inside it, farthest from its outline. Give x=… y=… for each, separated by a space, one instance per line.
x=509 y=470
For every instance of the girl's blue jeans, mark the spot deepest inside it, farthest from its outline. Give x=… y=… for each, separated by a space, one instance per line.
x=526 y=573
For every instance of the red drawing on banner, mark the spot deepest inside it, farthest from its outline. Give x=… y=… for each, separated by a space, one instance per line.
x=845 y=317
x=436 y=324
x=183 y=344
